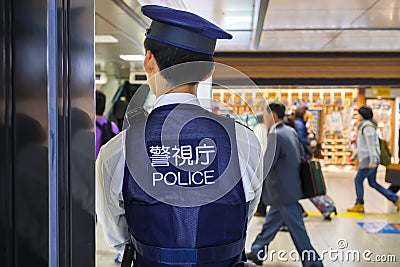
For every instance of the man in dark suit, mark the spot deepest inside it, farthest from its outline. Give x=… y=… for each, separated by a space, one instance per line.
x=282 y=190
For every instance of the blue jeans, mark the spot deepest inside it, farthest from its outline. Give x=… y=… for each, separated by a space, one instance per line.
x=291 y=216
x=370 y=174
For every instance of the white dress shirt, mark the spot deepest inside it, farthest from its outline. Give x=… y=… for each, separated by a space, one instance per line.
x=110 y=167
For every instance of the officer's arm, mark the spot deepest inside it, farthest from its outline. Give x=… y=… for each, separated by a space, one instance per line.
x=109 y=203
x=257 y=188
x=251 y=166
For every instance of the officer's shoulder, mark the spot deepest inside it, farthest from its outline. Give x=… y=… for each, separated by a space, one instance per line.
x=244 y=125
x=113 y=147
x=237 y=122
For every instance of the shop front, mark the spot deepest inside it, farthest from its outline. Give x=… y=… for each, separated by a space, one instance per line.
x=384 y=102
x=332 y=114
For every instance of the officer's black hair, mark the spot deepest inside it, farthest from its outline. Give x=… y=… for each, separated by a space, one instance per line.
x=278 y=108
x=168 y=55
x=100 y=103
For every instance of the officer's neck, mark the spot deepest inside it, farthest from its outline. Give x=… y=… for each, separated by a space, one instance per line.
x=185 y=88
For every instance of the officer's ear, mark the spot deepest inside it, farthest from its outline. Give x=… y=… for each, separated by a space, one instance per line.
x=150 y=64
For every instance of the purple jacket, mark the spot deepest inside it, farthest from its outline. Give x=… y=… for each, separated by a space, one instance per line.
x=101 y=121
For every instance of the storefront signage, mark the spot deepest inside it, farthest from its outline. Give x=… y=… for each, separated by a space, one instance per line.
x=381 y=91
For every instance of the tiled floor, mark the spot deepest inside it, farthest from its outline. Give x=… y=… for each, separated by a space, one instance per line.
x=324 y=234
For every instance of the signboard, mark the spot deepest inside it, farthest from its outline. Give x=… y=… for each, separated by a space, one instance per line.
x=381 y=91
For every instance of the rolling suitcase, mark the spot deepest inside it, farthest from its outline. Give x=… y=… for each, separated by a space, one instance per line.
x=325 y=205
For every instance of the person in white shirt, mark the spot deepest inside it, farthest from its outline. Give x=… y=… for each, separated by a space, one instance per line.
x=261 y=131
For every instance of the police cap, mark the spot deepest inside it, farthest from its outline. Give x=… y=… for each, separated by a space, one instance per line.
x=183 y=29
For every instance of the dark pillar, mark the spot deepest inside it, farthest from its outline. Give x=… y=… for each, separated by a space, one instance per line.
x=6 y=205
x=81 y=143
x=46 y=133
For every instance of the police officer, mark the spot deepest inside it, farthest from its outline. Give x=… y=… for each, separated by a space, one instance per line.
x=181 y=184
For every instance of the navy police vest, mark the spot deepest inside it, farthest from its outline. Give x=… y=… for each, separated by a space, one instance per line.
x=165 y=235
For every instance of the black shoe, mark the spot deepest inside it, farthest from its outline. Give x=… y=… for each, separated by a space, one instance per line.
x=253 y=258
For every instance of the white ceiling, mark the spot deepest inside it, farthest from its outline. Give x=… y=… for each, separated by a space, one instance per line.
x=289 y=25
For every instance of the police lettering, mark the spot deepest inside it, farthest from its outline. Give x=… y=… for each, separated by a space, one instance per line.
x=184 y=178
x=184 y=155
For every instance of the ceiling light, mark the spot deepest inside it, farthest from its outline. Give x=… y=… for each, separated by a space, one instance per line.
x=132 y=57
x=105 y=39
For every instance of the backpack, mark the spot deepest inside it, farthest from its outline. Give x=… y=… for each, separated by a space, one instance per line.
x=385 y=157
x=106 y=132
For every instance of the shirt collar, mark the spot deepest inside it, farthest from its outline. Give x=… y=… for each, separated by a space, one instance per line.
x=274 y=127
x=176 y=98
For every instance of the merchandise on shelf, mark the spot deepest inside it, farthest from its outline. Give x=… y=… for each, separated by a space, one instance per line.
x=339 y=133
x=336 y=150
